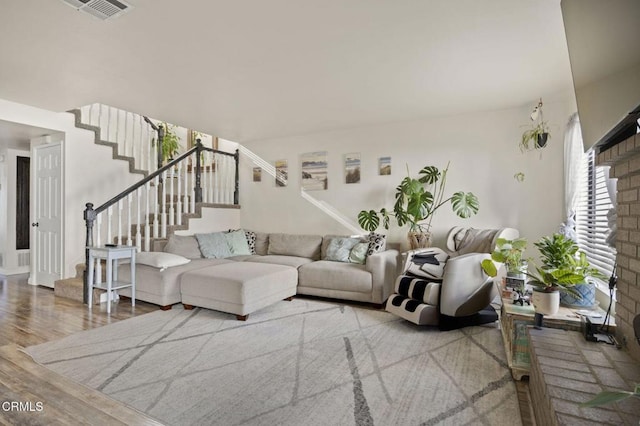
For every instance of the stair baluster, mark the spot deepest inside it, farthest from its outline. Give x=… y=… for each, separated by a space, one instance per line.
x=192 y=184
x=172 y=183
x=147 y=221
x=163 y=202
x=138 y=217
x=119 y=237
x=129 y=222
x=178 y=183
x=98 y=267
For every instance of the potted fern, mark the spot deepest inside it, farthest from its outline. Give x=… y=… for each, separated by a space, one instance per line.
x=170 y=142
x=417 y=200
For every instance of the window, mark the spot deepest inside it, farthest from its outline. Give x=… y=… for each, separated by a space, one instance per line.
x=592 y=225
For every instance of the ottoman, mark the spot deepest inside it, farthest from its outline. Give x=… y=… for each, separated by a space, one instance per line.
x=238 y=288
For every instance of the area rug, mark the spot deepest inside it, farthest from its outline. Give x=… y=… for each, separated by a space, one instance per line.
x=303 y=362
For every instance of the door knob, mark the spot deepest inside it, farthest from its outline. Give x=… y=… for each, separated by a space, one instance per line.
x=35 y=224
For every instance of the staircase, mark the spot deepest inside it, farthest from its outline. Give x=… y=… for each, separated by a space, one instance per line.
x=165 y=199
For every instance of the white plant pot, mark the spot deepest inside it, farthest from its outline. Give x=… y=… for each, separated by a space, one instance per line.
x=546 y=303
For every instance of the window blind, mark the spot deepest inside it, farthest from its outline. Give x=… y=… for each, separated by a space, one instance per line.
x=592 y=224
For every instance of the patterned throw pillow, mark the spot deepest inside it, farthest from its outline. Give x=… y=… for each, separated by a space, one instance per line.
x=339 y=249
x=358 y=253
x=251 y=240
x=377 y=243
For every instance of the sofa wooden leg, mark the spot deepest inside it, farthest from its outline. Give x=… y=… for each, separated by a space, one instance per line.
x=242 y=317
x=289 y=299
x=187 y=307
x=165 y=308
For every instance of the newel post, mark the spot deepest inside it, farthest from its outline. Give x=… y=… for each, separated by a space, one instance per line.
x=198 y=188
x=160 y=143
x=89 y=218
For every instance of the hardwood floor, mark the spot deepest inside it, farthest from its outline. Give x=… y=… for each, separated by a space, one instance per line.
x=30 y=315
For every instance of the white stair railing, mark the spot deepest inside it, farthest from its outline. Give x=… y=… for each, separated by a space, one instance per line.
x=129 y=131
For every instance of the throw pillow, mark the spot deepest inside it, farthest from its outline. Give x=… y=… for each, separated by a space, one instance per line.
x=251 y=241
x=160 y=259
x=185 y=246
x=237 y=241
x=477 y=241
x=377 y=243
x=339 y=249
x=358 y=253
x=214 y=245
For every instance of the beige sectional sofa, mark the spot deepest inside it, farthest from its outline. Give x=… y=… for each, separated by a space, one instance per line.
x=322 y=266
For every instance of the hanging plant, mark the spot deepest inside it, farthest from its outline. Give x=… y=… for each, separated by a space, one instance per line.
x=537 y=136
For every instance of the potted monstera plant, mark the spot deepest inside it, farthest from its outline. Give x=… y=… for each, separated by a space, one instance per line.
x=417 y=200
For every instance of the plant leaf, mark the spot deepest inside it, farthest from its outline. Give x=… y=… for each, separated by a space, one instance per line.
x=429 y=175
x=489 y=267
x=464 y=204
x=368 y=220
x=606 y=397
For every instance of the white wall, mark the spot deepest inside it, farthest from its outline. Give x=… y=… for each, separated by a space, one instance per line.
x=213 y=220
x=484 y=154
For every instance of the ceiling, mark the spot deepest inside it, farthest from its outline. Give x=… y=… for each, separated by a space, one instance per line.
x=254 y=69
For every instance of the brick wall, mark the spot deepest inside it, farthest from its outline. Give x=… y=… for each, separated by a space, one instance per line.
x=566 y=371
x=624 y=160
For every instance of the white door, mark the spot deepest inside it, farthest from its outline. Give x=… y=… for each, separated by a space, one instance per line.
x=47 y=250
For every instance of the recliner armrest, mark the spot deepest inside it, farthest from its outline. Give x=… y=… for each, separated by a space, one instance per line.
x=466 y=289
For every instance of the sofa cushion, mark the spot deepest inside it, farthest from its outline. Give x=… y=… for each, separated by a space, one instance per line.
x=185 y=246
x=295 y=245
x=262 y=243
x=335 y=276
x=294 y=261
x=213 y=245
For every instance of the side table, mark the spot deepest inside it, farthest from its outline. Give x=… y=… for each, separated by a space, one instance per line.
x=111 y=255
x=515 y=320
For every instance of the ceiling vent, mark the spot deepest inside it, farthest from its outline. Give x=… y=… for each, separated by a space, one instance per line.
x=102 y=9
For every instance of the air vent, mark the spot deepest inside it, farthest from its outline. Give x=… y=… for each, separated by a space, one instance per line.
x=102 y=9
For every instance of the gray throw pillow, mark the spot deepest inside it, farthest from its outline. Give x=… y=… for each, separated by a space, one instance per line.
x=183 y=245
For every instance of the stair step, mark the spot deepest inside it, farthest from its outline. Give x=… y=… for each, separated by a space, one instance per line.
x=72 y=288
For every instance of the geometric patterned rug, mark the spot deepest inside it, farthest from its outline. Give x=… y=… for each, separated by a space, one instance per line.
x=302 y=362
